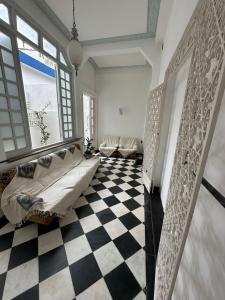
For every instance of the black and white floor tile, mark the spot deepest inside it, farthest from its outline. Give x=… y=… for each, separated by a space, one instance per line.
x=96 y=252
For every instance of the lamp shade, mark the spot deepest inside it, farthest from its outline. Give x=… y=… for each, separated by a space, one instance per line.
x=75 y=53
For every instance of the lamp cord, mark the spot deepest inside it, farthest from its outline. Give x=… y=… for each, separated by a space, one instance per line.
x=73 y=13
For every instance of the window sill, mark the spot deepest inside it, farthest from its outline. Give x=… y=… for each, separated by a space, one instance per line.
x=39 y=151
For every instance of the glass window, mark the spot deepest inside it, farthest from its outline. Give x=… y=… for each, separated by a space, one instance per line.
x=4 y=13
x=49 y=48
x=7 y=58
x=40 y=85
x=66 y=102
x=62 y=59
x=10 y=74
x=9 y=145
x=10 y=106
x=5 y=41
x=25 y=29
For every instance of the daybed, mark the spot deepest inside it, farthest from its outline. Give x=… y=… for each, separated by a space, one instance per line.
x=46 y=187
x=115 y=146
x=109 y=146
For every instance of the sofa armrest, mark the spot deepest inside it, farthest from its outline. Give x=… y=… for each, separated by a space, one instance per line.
x=102 y=145
x=135 y=148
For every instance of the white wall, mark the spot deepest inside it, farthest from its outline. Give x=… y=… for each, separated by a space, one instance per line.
x=170 y=31
x=122 y=88
x=177 y=100
x=180 y=14
x=201 y=274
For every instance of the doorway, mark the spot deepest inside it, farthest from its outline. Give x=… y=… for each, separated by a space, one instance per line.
x=88 y=117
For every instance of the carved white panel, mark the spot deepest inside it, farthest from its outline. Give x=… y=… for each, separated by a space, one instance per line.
x=152 y=132
x=206 y=36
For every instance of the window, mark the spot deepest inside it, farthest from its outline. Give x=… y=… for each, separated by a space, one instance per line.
x=4 y=13
x=62 y=59
x=49 y=48
x=39 y=75
x=11 y=119
x=65 y=93
x=88 y=116
x=35 y=86
x=25 y=29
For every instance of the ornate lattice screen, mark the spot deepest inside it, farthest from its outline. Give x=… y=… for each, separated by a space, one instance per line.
x=152 y=132
x=206 y=82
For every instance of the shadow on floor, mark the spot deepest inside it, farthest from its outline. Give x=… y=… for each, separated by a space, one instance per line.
x=153 y=225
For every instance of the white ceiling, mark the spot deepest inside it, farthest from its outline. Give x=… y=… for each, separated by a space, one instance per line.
x=120 y=60
x=99 y=19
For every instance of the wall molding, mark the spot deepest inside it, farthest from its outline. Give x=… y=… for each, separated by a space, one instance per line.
x=99 y=69
x=152 y=20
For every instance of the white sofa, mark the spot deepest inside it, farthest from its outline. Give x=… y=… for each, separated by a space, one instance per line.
x=127 y=146
x=119 y=146
x=48 y=186
x=109 y=145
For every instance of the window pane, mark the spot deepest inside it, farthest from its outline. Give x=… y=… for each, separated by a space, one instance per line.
x=63 y=83
x=4 y=13
x=2 y=88
x=63 y=93
x=64 y=101
x=26 y=30
x=62 y=74
x=10 y=74
x=69 y=119
x=67 y=76
x=62 y=59
x=68 y=94
x=68 y=85
x=19 y=130
x=7 y=58
x=8 y=145
x=64 y=110
x=21 y=142
x=12 y=89
x=15 y=104
x=40 y=87
x=70 y=133
x=5 y=41
x=3 y=103
x=17 y=117
x=49 y=48
x=66 y=134
x=4 y=117
x=6 y=131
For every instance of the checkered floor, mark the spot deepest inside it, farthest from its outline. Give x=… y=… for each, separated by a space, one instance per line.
x=95 y=252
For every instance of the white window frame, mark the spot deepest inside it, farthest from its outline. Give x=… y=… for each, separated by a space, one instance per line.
x=11 y=28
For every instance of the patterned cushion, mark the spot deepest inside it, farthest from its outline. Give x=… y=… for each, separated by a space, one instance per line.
x=6 y=177
x=27 y=201
x=61 y=153
x=72 y=148
x=45 y=161
x=27 y=170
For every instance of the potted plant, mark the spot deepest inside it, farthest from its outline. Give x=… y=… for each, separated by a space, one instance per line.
x=89 y=146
